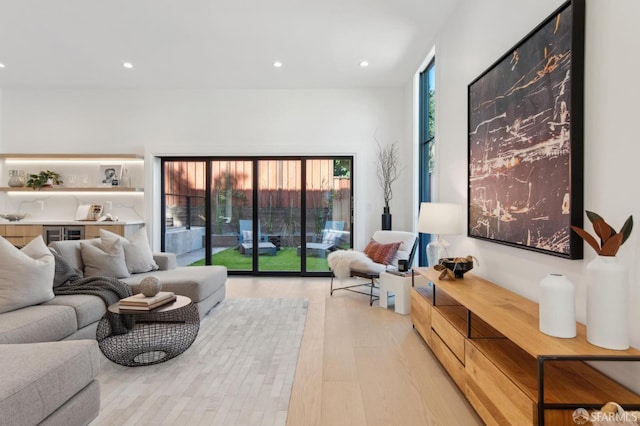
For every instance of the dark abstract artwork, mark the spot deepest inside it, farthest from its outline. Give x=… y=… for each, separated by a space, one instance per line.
x=525 y=140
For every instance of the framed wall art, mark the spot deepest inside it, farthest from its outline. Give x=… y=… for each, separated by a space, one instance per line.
x=109 y=173
x=525 y=136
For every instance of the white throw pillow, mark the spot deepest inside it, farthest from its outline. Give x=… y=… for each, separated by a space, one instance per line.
x=137 y=252
x=247 y=236
x=26 y=275
x=105 y=260
x=330 y=236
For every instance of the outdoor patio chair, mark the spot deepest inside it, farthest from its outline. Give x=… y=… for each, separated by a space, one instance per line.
x=365 y=267
x=246 y=240
x=331 y=238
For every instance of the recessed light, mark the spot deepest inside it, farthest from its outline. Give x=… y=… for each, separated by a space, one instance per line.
x=1 y=65
x=364 y=64
x=277 y=64
x=128 y=65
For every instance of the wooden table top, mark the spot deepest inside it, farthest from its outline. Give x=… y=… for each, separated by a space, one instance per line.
x=515 y=317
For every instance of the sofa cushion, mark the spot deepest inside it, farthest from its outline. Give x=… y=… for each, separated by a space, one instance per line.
x=79 y=410
x=195 y=282
x=70 y=250
x=104 y=260
x=165 y=261
x=27 y=274
x=40 y=323
x=88 y=308
x=50 y=374
x=137 y=252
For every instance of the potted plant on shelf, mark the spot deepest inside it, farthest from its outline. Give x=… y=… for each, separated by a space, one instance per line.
x=388 y=171
x=607 y=285
x=44 y=179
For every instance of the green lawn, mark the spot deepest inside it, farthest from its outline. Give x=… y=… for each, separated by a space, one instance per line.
x=285 y=260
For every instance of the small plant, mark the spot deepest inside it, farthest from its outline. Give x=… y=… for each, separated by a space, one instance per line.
x=610 y=240
x=44 y=178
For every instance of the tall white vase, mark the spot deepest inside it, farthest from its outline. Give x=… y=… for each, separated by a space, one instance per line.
x=607 y=303
x=557 y=306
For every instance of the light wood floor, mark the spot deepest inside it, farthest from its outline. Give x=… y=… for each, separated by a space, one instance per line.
x=360 y=365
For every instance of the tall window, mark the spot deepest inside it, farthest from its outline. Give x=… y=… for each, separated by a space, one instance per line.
x=427 y=136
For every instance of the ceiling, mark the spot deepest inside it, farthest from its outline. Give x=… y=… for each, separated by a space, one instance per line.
x=186 y=44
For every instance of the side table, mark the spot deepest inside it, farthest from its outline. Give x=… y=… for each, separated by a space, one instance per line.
x=135 y=338
x=400 y=286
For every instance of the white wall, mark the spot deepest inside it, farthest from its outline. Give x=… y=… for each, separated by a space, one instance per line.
x=477 y=34
x=220 y=122
x=1 y=146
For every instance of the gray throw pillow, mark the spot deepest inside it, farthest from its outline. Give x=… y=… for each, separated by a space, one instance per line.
x=104 y=260
x=26 y=275
x=137 y=252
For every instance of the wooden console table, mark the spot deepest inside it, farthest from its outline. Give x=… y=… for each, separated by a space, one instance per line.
x=488 y=340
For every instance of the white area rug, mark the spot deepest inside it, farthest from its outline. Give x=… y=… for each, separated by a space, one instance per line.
x=239 y=371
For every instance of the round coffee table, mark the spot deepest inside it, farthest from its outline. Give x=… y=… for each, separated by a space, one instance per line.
x=148 y=337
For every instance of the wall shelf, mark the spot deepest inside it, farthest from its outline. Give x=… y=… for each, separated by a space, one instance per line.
x=71 y=189
x=71 y=157
x=79 y=163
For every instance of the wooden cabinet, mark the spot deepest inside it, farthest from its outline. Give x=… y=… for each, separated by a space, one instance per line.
x=487 y=339
x=125 y=230
x=20 y=235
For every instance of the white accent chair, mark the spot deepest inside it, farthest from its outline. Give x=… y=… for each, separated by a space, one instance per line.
x=370 y=270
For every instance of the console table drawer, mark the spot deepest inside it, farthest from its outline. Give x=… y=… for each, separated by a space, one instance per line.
x=449 y=334
x=494 y=396
x=448 y=360
x=421 y=315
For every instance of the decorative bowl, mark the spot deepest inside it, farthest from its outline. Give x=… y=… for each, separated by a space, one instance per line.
x=459 y=265
x=13 y=217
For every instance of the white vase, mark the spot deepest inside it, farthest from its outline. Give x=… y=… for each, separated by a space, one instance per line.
x=607 y=303
x=557 y=309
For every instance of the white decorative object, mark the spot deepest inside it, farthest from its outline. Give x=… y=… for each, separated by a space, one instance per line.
x=557 y=306
x=150 y=286
x=607 y=303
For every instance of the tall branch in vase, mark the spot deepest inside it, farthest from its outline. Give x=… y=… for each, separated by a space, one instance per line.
x=388 y=171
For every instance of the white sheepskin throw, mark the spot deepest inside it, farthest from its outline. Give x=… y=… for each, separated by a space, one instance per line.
x=340 y=261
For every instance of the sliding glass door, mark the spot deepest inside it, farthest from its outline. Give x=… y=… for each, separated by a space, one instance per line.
x=328 y=210
x=257 y=215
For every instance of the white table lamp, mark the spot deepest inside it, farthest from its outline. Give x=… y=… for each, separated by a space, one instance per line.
x=439 y=219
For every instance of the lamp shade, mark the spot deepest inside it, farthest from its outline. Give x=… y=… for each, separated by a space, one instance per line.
x=440 y=218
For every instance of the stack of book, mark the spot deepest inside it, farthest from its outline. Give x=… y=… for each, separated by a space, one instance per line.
x=140 y=302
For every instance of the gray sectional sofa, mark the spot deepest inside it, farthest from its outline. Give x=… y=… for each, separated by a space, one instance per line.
x=48 y=352
x=49 y=383
x=204 y=285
